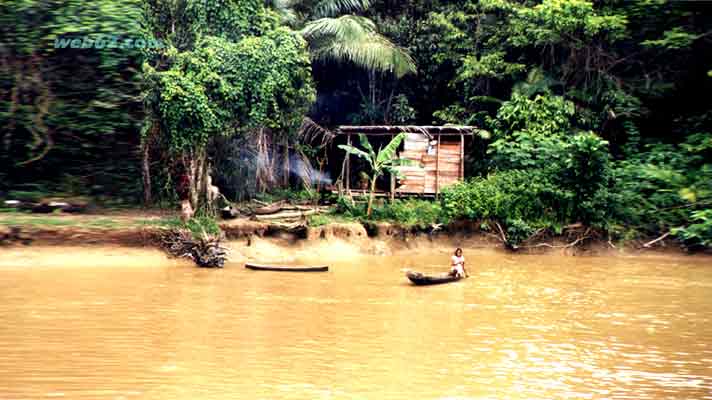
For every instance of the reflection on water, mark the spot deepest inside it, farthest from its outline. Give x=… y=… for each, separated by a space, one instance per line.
x=524 y=327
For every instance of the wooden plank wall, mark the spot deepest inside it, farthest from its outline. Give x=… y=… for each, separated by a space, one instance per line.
x=450 y=156
x=422 y=175
x=415 y=147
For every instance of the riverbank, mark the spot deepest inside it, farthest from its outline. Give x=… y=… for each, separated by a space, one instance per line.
x=251 y=239
x=418 y=254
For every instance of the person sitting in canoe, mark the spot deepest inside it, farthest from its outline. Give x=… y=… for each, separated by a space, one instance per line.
x=458 y=264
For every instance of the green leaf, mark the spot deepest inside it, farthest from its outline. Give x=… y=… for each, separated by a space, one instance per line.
x=355 y=151
x=389 y=152
x=330 y=8
x=366 y=144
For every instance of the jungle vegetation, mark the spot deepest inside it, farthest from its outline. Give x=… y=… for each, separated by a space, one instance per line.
x=597 y=112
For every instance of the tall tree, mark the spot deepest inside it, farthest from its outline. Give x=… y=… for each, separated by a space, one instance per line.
x=228 y=69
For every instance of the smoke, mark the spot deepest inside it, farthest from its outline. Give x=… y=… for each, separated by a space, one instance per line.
x=307 y=173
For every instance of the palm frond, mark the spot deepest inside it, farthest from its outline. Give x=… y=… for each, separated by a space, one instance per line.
x=314 y=134
x=330 y=8
x=347 y=27
x=355 y=39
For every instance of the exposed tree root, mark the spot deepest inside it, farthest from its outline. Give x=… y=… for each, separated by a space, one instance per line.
x=205 y=251
x=652 y=242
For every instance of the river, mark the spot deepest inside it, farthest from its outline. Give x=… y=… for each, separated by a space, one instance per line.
x=522 y=327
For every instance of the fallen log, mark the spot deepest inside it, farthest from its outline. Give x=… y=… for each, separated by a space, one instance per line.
x=270 y=209
x=287 y=215
x=290 y=226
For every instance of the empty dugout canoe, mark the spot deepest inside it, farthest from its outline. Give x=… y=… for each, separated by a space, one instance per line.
x=288 y=268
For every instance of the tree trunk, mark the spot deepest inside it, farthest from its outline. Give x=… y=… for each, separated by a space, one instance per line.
x=265 y=168
x=197 y=170
x=186 y=211
x=146 y=172
x=371 y=195
x=372 y=91
x=286 y=164
x=146 y=165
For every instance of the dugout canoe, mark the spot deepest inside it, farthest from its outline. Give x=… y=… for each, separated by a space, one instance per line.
x=287 y=268
x=419 y=278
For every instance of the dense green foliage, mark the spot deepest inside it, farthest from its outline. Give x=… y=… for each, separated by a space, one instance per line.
x=545 y=171
x=589 y=112
x=668 y=187
x=64 y=110
x=597 y=111
x=223 y=87
x=230 y=69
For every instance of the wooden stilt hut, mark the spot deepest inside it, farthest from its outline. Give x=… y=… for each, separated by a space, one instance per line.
x=436 y=154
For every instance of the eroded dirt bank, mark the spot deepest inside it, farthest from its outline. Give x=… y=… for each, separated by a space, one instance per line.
x=253 y=240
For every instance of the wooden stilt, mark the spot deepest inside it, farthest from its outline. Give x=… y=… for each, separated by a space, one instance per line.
x=348 y=165
x=437 y=170
x=462 y=156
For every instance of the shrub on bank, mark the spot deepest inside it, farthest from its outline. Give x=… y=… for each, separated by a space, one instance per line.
x=699 y=232
x=411 y=212
x=566 y=184
x=508 y=196
x=667 y=188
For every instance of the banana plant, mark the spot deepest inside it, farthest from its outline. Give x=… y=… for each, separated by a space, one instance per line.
x=384 y=160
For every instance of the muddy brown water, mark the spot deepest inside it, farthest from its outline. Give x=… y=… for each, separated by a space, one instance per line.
x=122 y=325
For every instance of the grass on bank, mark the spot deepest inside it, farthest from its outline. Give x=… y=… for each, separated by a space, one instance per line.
x=14 y=218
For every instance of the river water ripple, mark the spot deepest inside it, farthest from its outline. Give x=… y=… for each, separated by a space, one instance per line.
x=522 y=327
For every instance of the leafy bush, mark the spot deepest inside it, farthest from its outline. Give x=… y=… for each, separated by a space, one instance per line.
x=509 y=195
x=698 y=234
x=663 y=187
x=522 y=201
x=412 y=213
x=572 y=187
x=586 y=171
x=547 y=172
x=544 y=115
x=518 y=231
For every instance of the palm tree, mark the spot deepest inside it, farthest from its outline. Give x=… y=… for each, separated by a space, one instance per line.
x=333 y=36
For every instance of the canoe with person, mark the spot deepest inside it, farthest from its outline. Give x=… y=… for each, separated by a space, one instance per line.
x=457 y=272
